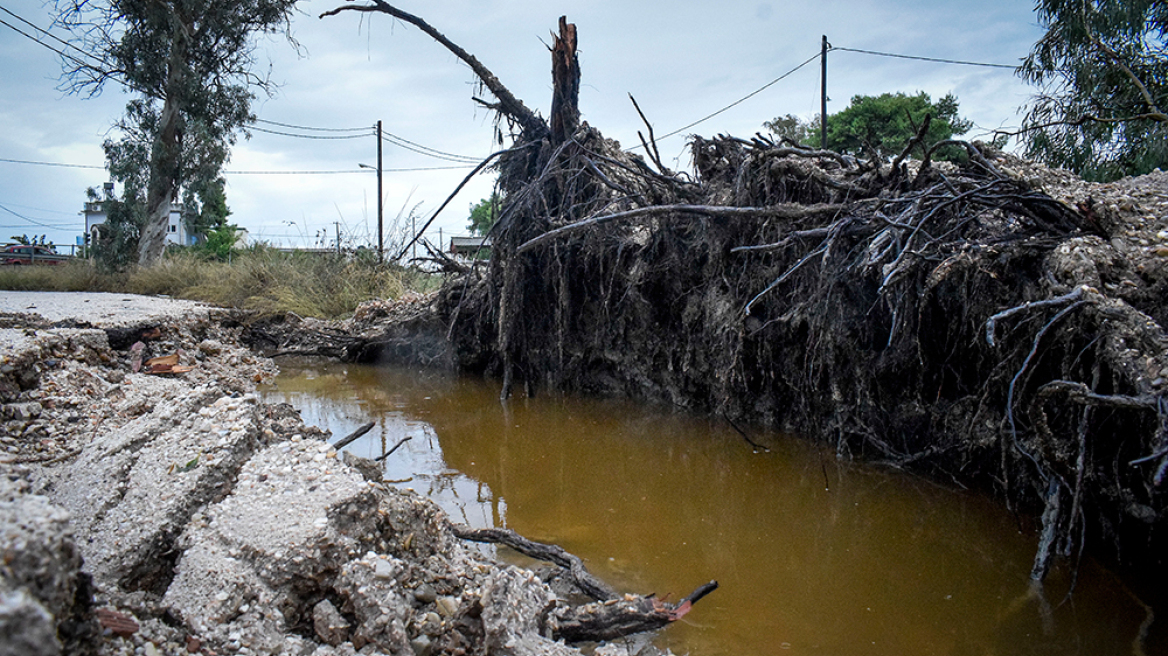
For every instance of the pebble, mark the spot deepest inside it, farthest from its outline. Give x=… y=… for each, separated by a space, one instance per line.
x=447 y=606
x=382 y=569
x=425 y=593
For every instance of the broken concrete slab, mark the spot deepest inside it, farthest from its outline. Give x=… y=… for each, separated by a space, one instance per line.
x=42 y=589
x=164 y=465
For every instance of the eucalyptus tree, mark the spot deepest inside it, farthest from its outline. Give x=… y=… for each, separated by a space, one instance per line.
x=1102 y=73
x=193 y=64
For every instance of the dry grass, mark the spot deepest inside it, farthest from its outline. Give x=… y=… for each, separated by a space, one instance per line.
x=264 y=279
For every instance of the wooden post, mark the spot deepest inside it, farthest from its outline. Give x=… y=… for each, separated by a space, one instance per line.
x=823 y=95
x=380 y=200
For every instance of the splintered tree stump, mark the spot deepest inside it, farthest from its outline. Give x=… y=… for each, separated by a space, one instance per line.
x=565 y=116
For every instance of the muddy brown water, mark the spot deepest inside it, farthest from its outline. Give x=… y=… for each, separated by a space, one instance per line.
x=813 y=555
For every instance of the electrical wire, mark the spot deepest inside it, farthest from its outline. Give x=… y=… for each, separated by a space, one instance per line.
x=317 y=172
x=312 y=136
x=739 y=101
x=420 y=151
x=406 y=143
x=387 y=137
x=405 y=170
x=42 y=43
x=928 y=59
x=46 y=33
x=68 y=166
x=31 y=220
x=303 y=127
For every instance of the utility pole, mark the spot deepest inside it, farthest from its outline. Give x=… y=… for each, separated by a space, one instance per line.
x=823 y=96
x=380 y=200
x=338 y=225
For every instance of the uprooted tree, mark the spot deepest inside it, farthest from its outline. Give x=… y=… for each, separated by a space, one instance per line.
x=923 y=314
x=543 y=147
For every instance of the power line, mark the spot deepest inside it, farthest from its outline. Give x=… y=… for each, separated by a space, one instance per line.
x=317 y=172
x=429 y=153
x=68 y=166
x=739 y=101
x=31 y=220
x=310 y=136
x=404 y=170
x=37 y=41
x=303 y=127
x=46 y=33
x=394 y=139
x=41 y=209
x=928 y=59
x=388 y=137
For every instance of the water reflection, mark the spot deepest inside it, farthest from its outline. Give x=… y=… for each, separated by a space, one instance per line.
x=813 y=556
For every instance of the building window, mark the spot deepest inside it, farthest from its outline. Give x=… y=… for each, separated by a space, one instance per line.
x=174 y=228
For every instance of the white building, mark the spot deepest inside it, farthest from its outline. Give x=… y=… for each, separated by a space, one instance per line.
x=176 y=232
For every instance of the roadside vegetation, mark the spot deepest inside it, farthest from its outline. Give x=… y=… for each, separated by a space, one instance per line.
x=257 y=278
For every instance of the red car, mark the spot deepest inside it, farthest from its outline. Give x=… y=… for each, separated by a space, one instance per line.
x=30 y=254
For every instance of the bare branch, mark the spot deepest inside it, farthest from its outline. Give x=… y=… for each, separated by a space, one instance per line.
x=534 y=127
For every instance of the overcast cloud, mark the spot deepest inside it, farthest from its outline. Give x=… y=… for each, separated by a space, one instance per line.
x=682 y=60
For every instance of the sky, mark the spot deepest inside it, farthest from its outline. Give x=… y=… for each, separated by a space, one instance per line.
x=682 y=60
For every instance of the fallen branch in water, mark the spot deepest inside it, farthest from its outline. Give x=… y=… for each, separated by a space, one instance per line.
x=352 y=437
x=551 y=553
x=623 y=617
x=395 y=448
x=614 y=616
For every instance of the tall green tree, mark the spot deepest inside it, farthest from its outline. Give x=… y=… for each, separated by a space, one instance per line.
x=791 y=128
x=484 y=214
x=193 y=64
x=1102 y=73
x=205 y=208
x=885 y=124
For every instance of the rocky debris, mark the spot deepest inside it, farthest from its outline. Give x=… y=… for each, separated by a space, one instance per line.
x=43 y=594
x=212 y=523
x=408 y=330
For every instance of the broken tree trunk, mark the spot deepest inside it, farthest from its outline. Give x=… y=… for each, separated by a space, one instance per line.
x=566 y=83
x=550 y=553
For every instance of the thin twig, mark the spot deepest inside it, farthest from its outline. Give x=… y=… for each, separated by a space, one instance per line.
x=395 y=448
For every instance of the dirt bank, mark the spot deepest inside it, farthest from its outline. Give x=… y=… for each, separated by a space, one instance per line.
x=164 y=513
